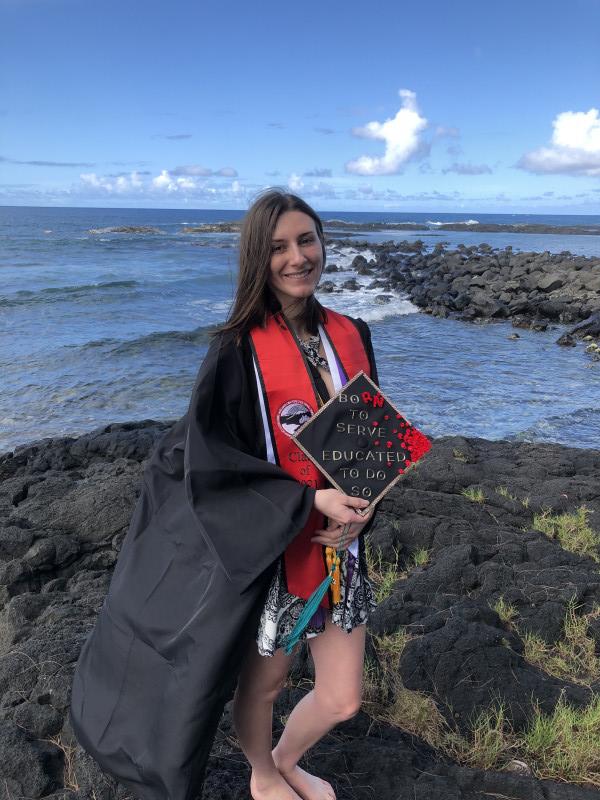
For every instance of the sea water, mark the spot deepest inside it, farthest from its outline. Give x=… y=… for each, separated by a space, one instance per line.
x=100 y=327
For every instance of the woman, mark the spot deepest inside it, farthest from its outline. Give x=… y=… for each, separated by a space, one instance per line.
x=294 y=269
x=229 y=539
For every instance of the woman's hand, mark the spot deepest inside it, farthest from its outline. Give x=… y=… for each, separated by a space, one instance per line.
x=333 y=535
x=345 y=523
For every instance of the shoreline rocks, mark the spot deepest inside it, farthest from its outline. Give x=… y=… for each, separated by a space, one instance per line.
x=126 y=229
x=65 y=505
x=470 y=226
x=480 y=284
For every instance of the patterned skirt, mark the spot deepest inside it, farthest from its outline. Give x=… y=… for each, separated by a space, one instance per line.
x=282 y=609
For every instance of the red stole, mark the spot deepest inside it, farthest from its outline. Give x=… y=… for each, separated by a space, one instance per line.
x=290 y=397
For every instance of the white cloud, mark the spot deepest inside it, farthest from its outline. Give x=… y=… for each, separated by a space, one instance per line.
x=401 y=136
x=575 y=146
x=199 y=171
x=295 y=182
x=318 y=172
x=191 y=169
x=467 y=169
x=120 y=184
x=167 y=182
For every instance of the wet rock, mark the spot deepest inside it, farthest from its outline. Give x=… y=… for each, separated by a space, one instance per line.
x=478 y=283
x=327 y=286
x=57 y=563
x=567 y=340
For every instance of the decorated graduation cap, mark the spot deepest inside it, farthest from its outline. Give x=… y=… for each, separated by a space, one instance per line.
x=361 y=442
x=363 y=445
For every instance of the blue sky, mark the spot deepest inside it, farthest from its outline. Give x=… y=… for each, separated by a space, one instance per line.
x=386 y=106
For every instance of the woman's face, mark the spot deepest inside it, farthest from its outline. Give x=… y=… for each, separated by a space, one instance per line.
x=296 y=257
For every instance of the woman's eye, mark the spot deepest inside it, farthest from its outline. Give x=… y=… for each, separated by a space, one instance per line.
x=276 y=248
x=308 y=240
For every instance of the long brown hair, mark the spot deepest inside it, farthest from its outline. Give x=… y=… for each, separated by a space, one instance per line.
x=254 y=301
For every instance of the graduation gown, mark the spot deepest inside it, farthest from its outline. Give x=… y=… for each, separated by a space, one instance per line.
x=189 y=585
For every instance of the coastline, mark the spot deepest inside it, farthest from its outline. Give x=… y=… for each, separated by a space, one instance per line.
x=471 y=226
x=127 y=323
x=482 y=284
x=458 y=538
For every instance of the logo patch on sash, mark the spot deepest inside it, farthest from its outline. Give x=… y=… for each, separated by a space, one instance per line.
x=292 y=414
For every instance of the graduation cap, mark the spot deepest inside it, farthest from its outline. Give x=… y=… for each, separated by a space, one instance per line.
x=361 y=442
x=363 y=445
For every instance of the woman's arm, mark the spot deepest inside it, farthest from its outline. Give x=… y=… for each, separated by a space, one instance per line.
x=248 y=508
x=331 y=534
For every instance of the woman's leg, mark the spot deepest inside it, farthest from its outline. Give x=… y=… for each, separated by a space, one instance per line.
x=338 y=657
x=260 y=681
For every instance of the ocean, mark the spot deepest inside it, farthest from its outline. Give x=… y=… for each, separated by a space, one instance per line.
x=99 y=327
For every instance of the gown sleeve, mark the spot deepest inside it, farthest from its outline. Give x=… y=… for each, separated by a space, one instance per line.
x=247 y=509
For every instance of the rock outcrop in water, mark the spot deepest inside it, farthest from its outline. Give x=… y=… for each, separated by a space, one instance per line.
x=216 y=227
x=126 y=229
x=65 y=506
x=480 y=284
x=469 y=227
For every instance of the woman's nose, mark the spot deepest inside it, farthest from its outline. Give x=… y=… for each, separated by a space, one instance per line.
x=295 y=253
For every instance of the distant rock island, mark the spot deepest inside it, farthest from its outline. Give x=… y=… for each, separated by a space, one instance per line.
x=471 y=226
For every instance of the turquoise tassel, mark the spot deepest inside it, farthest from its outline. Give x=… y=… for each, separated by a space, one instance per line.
x=307 y=612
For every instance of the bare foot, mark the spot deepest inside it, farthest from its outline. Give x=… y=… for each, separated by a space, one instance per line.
x=308 y=786
x=273 y=787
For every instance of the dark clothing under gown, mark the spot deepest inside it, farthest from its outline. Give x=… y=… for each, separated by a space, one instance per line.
x=189 y=586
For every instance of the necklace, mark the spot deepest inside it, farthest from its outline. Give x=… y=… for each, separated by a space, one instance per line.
x=311 y=350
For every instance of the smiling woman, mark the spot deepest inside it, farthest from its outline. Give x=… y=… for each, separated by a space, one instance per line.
x=297 y=257
x=251 y=530
x=281 y=258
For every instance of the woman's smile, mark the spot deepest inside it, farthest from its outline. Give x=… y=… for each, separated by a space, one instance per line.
x=296 y=257
x=298 y=275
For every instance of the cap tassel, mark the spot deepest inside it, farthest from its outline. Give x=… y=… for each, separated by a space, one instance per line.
x=311 y=606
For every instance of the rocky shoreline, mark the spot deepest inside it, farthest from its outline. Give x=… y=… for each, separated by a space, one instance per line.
x=462 y=539
x=471 y=227
x=476 y=283
x=483 y=284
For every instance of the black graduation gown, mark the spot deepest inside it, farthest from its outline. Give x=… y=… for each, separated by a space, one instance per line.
x=189 y=586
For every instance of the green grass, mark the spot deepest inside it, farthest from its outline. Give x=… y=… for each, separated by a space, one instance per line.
x=383 y=575
x=565 y=745
x=386 y=699
x=503 y=491
x=572 y=530
x=572 y=658
x=488 y=744
x=505 y=611
x=561 y=746
x=475 y=495
x=420 y=557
